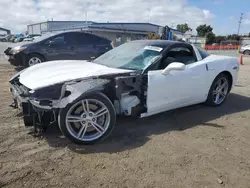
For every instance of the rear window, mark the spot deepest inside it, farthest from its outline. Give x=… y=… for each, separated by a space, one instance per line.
x=203 y=53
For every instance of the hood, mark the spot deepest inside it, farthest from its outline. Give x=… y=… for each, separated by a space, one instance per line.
x=53 y=72
x=24 y=43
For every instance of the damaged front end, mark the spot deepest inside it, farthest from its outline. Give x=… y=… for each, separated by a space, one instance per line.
x=41 y=107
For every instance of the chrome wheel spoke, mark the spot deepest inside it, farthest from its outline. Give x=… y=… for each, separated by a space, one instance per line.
x=98 y=127
x=82 y=131
x=224 y=85
x=101 y=112
x=217 y=97
x=223 y=94
x=85 y=106
x=73 y=118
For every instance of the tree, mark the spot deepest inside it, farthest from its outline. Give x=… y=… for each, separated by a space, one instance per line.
x=218 y=39
x=203 y=30
x=211 y=38
x=183 y=27
x=233 y=37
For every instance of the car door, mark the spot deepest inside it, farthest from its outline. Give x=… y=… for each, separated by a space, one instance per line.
x=178 y=88
x=60 y=47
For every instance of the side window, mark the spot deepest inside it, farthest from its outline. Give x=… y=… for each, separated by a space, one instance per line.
x=178 y=54
x=203 y=53
x=88 y=39
x=59 y=39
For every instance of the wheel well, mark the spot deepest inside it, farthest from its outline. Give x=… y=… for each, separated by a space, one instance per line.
x=230 y=77
x=36 y=53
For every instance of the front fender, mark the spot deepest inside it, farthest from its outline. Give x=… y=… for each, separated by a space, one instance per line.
x=78 y=89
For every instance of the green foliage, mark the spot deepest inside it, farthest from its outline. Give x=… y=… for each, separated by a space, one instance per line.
x=183 y=27
x=203 y=30
x=211 y=38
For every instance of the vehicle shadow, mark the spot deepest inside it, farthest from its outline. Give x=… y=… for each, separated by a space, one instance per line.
x=19 y=68
x=132 y=132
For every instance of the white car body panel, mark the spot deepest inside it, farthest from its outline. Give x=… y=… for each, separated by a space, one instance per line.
x=178 y=87
x=53 y=72
x=187 y=87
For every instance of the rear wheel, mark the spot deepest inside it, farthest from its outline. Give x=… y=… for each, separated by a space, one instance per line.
x=219 y=90
x=88 y=119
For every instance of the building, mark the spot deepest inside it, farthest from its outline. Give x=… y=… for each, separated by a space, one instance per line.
x=5 y=30
x=117 y=32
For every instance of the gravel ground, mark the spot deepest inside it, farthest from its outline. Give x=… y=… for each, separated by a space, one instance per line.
x=192 y=147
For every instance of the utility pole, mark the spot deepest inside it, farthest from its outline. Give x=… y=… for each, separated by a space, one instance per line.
x=241 y=14
x=86 y=15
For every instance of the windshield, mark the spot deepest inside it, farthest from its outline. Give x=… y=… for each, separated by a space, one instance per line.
x=45 y=36
x=132 y=55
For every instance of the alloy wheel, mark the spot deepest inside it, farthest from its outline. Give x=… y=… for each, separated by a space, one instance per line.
x=34 y=61
x=87 y=120
x=220 y=90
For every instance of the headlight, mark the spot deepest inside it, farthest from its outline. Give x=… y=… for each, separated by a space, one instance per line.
x=17 y=49
x=51 y=92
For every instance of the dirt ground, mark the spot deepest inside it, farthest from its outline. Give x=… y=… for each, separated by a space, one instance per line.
x=194 y=147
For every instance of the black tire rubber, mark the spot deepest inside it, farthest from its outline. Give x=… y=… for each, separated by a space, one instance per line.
x=210 y=100
x=98 y=96
x=34 y=55
x=246 y=52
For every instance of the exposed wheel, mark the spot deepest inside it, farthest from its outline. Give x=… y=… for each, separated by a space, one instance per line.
x=247 y=52
x=88 y=119
x=219 y=90
x=34 y=59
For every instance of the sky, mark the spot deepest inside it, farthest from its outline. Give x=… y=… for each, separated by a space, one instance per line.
x=222 y=15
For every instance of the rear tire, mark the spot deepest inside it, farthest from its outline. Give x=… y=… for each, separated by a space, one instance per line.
x=219 y=90
x=88 y=119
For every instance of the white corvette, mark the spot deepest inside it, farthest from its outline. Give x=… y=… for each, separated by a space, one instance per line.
x=139 y=78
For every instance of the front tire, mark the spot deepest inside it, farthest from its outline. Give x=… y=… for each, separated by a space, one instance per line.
x=34 y=59
x=219 y=90
x=88 y=119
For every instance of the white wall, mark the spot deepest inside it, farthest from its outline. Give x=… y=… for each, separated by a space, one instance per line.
x=37 y=28
x=52 y=25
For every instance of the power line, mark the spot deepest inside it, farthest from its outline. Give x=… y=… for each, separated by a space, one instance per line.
x=241 y=14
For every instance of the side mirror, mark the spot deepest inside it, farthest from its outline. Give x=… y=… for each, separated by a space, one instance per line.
x=174 y=66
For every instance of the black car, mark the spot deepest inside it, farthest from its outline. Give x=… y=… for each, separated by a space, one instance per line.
x=74 y=45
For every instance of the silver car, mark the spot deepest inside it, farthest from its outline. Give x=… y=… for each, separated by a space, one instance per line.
x=245 y=49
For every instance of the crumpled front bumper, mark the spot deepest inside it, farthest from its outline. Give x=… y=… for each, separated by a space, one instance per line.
x=18 y=59
x=15 y=91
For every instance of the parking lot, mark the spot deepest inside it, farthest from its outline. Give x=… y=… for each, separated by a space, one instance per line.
x=197 y=146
